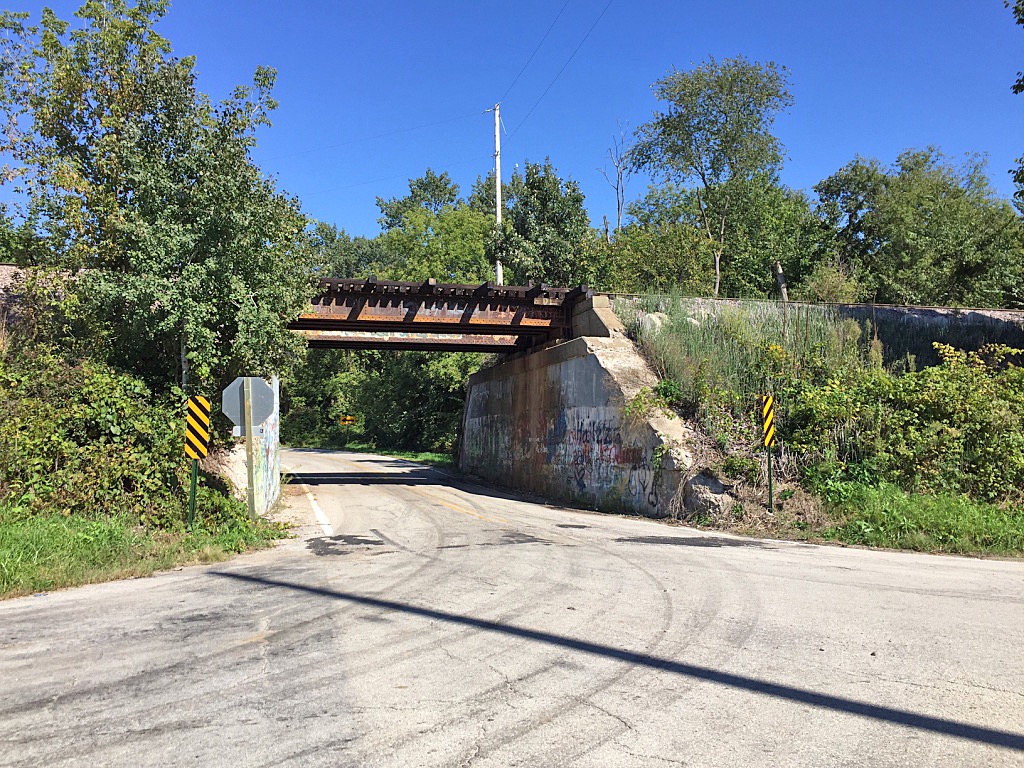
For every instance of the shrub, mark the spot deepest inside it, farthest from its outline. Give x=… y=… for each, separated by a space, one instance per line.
x=957 y=427
x=78 y=438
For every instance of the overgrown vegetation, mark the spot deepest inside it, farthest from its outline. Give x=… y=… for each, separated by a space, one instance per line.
x=401 y=401
x=93 y=479
x=162 y=262
x=930 y=459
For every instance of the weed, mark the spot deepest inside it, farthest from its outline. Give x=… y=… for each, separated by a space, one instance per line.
x=741 y=468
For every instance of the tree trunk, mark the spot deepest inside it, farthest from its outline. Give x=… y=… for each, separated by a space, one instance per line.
x=780 y=278
x=718 y=271
x=184 y=362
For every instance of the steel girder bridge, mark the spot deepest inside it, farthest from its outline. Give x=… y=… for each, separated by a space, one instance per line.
x=386 y=314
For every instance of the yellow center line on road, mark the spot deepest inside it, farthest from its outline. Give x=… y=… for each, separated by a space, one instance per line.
x=432 y=497
x=457 y=508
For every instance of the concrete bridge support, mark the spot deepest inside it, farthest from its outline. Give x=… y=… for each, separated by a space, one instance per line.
x=563 y=422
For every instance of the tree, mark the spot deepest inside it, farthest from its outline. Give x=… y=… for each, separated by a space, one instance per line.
x=620 y=157
x=926 y=230
x=447 y=245
x=714 y=135
x=481 y=195
x=546 y=236
x=663 y=259
x=337 y=254
x=187 y=262
x=769 y=223
x=429 y=191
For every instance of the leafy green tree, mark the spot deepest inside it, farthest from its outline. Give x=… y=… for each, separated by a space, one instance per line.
x=546 y=235
x=770 y=223
x=664 y=258
x=337 y=254
x=715 y=137
x=447 y=245
x=926 y=231
x=431 y=191
x=481 y=195
x=187 y=261
x=412 y=400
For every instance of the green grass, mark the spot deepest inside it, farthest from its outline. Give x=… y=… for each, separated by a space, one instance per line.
x=886 y=516
x=41 y=552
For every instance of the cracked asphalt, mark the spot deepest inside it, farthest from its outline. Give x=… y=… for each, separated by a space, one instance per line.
x=423 y=621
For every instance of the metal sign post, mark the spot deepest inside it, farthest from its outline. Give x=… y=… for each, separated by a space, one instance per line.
x=768 y=430
x=346 y=422
x=197 y=443
x=248 y=401
x=249 y=449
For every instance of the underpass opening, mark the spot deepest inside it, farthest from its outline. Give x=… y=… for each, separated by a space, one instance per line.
x=366 y=380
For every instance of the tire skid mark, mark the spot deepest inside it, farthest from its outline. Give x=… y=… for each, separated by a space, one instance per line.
x=558 y=711
x=154 y=677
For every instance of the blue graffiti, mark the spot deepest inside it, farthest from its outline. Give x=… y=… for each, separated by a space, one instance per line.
x=556 y=435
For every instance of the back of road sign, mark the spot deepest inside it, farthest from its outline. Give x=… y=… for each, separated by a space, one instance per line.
x=233 y=400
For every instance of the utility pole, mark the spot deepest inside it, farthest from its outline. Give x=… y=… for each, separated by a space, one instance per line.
x=499 y=270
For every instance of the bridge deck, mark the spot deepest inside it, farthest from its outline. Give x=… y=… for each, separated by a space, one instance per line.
x=376 y=314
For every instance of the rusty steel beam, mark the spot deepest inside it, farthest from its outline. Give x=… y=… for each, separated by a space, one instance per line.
x=389 y=314
x=412 y=341
x=509 y=293
x=431 y=308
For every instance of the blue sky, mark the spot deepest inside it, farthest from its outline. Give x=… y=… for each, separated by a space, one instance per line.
x=871 y=78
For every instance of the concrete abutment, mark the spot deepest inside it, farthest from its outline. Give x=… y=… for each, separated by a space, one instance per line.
x=562 y=422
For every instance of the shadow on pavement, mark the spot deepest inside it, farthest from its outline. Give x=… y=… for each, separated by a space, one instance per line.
x=946 y=727
x=413 y=477
x=694 y=541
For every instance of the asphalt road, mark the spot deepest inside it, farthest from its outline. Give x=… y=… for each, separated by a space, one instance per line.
x=443 y=624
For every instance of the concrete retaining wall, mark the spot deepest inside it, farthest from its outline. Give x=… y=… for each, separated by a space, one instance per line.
x=553 y=422
x=911 y=330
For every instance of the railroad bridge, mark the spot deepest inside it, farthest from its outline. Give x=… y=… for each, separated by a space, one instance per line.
x=386 y=314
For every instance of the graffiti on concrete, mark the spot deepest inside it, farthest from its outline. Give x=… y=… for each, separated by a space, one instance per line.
x=559 y=432
x=267 y=457
x=587 y=444
x=643 y=482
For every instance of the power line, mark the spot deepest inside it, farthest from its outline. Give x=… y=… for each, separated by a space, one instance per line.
x=555 y=79
x=405 y=176
x=372 y=138
x=557 y=17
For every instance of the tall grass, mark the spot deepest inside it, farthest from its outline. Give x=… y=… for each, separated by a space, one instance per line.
x=922 y=459
x=886 y=516
x=728 y=353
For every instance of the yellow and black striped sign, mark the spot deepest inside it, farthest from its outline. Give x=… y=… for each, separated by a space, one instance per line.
x=768 y=420
x=346 y=420
x=197 y=428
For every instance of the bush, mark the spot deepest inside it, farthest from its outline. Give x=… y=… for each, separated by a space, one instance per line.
x=954 y=431
x=78 y=438
x=408 y=401
x=957 y=427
